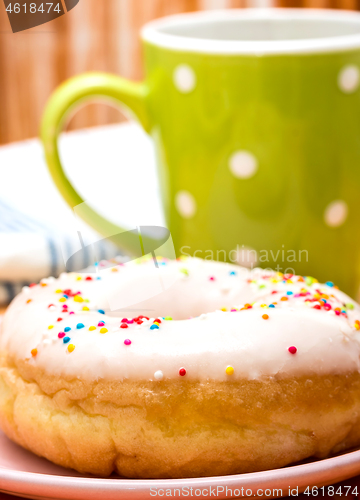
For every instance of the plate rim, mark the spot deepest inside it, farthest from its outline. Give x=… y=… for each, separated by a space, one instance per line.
x=320 y=473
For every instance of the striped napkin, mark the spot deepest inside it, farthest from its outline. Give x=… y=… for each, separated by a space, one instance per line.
x=31 y=249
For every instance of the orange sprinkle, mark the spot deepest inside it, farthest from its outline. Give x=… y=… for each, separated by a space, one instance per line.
x=284 y=298
x=28 y=301
x=34 y=352
x=265 y=316
x=43 y=284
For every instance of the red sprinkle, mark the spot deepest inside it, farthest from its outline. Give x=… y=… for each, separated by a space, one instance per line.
x=139 y=322
x=182 y=372
x=158 y=320
x=317 y=306
x=127 y=341
x=32 y=284
x=51 y=305
x=292 y=350
x=124 y=320
x=337 y=313
x=88 y=278
x=211 y=279
x=61 y=335
x=59 y=319
x=124 y=325
x=101 y=323
x=327 y=307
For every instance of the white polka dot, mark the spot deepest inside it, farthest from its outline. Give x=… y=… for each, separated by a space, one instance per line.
x=185 y=204
x=349 y=79
x=336 y=213
x=243 y=164
x=184 y=78
x=158 y=375
x=246 y=256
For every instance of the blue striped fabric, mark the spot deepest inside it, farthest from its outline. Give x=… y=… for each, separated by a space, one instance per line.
x=13 y=221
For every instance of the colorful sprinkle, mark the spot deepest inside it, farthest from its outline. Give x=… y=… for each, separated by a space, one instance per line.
x=34 y=352
x=153 y=327
x=265 y=316
x=182 y=372
x=67 y=329
x=124 y=325
x=292 y=349
x=77 y=298
x=50 y=327
x=61 y=335
x=101 y=323
x=85 y=308
x=103 y=330
x=232 y=273
x=101 y=311
x=80 y=325
x=127 y=341
x=168 y=318
x=71 y=347
x=329 y=283
x=28 y=301
x=66 y=340
x=158 y=375
x=229 y=370
x=59 y=319
x=63 y=299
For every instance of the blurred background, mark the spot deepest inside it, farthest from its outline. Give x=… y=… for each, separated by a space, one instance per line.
x=96 y=35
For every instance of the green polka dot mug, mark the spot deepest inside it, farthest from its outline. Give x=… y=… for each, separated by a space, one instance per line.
x=256 y=119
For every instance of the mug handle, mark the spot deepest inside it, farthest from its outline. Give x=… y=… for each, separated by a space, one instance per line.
x=62 y=102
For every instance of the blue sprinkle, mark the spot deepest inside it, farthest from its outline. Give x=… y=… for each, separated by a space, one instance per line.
x=232 y=273
x=101 y=311
x=67 y=329
x=80 y=325
x=289 y=293
x=271 y=305
x=66 y=296
x=154 y=327
x=98 y=277
x=66 y=340
x=329 y=283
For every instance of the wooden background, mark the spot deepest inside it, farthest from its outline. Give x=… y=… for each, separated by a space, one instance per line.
x=95 y=35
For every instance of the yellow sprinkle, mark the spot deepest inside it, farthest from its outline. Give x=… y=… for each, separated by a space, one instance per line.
x=263 y=305
x=78 y=278
x=63 y=299
x=357 y=326
x=77 y=298
x=50 y=327
x=85 y=308
x=58 y=291
x=114 y=269
x=33 y=352
x=229 y=370
x=224 y=309
x=71 y=347
x=103 y=330
x=92 y=328
x=316 y=296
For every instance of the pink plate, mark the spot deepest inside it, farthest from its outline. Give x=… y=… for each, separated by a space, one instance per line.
x=24 y=474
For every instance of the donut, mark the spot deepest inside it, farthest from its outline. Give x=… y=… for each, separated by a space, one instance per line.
x=169 y=369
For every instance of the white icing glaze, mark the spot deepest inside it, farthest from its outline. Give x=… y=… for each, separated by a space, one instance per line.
x=204 y=345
